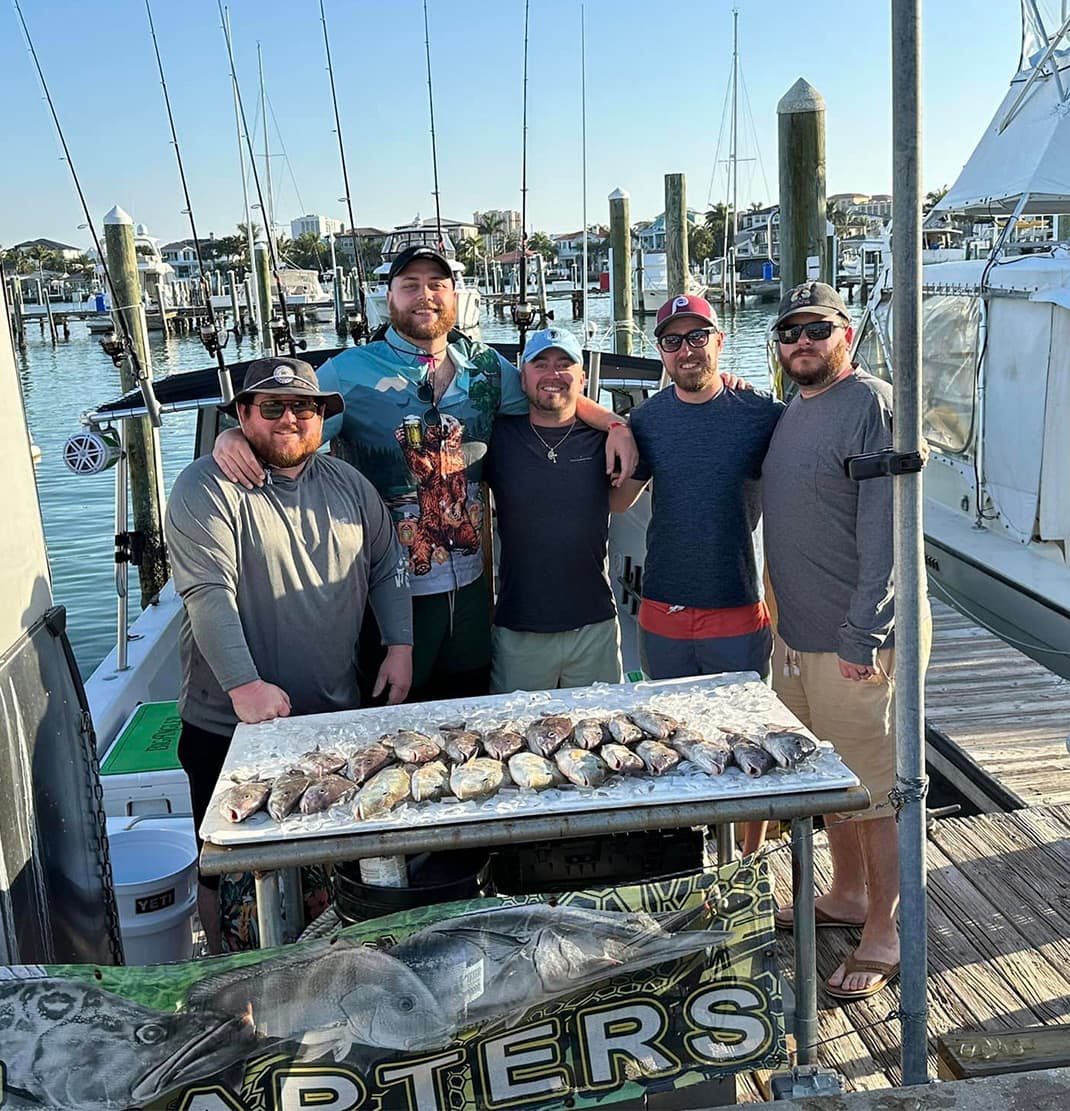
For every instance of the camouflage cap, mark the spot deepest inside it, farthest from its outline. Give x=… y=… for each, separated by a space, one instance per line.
x=816 y=298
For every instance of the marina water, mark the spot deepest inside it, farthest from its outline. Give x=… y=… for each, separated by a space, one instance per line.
x=60 y=383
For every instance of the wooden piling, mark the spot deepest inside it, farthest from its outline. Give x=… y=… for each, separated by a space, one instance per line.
x=47 y=302
x=620 y=243
x=18 y=317
x=338 y=293
x=235 y=304
x=161 y=305
x=676 y=234
x=142 y=442
x=801 y=129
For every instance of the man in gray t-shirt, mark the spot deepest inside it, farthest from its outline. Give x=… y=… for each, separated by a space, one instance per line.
x=274 y=581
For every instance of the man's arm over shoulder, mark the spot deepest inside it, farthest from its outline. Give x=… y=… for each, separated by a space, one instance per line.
x=871 y=613
x=201 y=537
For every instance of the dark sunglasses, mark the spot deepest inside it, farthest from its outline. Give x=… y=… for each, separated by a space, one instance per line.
x=700 y=337
x=302 y=410
x=815 y=330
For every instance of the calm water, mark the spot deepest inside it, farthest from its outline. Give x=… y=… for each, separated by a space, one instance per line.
x=79 y=511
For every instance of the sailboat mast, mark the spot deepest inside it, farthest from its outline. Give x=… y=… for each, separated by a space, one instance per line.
x=583 y=159
x=730 y=256
x=434 y=144
x=269 y=215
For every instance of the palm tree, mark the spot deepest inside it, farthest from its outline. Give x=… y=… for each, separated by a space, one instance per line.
x=933 y=198
x=490 y=223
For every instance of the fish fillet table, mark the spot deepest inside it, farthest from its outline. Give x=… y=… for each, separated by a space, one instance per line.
x=686 y=796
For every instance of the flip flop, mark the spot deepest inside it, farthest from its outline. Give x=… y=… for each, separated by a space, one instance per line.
x=784 y=919
x=886 y=973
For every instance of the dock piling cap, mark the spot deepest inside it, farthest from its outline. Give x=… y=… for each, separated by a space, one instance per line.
x=619 y=195
x=118 y=216
x=801 y=97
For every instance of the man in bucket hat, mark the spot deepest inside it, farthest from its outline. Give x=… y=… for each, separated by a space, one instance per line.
x=421 y=400
x=274 y=580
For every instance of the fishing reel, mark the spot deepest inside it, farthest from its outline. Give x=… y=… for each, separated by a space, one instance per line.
x=92 y=450
x=210 y=339
x=114 y=347
x=356 y=325
x=523 y=315
x=282 y=336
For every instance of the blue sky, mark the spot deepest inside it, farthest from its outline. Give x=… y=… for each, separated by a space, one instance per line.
x=657 y=75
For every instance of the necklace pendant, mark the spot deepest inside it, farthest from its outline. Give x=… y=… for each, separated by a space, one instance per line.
x=552 y=455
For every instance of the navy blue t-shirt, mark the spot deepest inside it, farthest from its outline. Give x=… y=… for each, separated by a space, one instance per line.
x=553 y=522
x=706 y=462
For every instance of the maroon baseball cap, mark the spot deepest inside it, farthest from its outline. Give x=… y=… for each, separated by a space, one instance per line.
x=685 y=305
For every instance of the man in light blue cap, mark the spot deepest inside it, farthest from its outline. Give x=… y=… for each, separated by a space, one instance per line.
x=556 y=620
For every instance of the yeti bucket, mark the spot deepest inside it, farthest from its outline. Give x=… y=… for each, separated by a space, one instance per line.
x=154 y=872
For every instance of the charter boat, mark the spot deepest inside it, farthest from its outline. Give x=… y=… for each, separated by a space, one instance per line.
x=996 y=380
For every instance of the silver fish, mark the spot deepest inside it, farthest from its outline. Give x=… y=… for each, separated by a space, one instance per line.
x=752 y=759
x=500 y=744
x=286 y=793
x=329 y=997
x=787 y=747
x=462 y=745
x=71 y=1046
x=589 y=733
x=325 y=792
x=320 y=762
x=620 y=758
x=238 y=802
x=415 y=748
x=430 y=781
x=658 y=758
x=494 y=965
x=546 y=735
x=385 y=790
x=366 y=761
x=708 y=757
x=479 y=778
x=623 y=731
x=580 y=766
x=653 y=724
x=533 y=771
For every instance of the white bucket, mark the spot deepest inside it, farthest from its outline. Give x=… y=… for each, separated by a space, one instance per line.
x=155 y=876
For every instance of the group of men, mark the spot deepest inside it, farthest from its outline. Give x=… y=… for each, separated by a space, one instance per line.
x=278 y=548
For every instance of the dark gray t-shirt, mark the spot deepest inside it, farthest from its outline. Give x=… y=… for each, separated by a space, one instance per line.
x=828 y=539
x=274 y=582
x=553 y=521
x=706 y=462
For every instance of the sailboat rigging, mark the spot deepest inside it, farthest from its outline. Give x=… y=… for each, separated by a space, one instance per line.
x=210 y=331
x=358 y=320
x=523 y=312
x=434 y=144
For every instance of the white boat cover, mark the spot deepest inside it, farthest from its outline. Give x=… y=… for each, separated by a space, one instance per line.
x=1026 y=148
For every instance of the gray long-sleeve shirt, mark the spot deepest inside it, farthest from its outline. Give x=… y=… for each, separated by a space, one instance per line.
x=828 y=539
x=274 y=582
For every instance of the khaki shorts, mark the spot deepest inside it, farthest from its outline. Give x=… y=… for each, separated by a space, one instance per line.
x=545 y=661
x=857 y=717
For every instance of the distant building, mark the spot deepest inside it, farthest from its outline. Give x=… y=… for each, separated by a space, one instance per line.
x=758 y=233
x=320 y=226
x=652 y=235
x=369 y=240
x=509 y=220
x=63 y=249
x=182 y=255
x=570 y=246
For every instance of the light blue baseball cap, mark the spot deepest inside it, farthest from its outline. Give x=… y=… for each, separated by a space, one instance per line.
x=560 y=338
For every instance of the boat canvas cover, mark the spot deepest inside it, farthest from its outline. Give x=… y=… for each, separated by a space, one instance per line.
x=1026 y=147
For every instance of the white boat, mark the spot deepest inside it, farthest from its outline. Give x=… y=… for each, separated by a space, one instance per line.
x=996 y=380
x=418 y=234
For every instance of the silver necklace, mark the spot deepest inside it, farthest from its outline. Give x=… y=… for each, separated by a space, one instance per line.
x=551 y=449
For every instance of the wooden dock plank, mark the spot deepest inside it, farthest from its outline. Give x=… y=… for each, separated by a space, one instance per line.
x=1007 y=712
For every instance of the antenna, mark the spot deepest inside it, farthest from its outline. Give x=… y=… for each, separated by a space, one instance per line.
x=210 y=331
x=583 y=159
x=434 y=147
x=523 y=313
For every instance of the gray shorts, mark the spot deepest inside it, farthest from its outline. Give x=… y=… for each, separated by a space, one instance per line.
x=673 y=658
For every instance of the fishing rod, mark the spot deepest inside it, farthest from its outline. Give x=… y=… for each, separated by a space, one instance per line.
x=434 y=145
x=281 y=332
x=119 y=348
x=210 y=331
x=522 y=312
x=358 y=321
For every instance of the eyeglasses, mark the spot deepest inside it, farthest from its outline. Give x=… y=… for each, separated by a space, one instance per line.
x=700 y=337
x=302 y=410
x=815 y=330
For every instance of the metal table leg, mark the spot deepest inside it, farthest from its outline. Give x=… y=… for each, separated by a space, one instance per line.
x=268 y=909
x=802 y=883
x=726 y=843
x=292 y=909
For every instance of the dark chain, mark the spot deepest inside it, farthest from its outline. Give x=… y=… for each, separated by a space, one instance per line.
x=96 y=794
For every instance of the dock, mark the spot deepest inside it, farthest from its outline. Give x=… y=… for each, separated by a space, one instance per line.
x=998 y=880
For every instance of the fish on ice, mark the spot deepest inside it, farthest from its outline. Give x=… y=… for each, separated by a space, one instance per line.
x=581 y=767
x=244 y=799
x=385 y=790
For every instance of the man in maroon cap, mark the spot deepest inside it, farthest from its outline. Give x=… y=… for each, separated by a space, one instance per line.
x=702 y=441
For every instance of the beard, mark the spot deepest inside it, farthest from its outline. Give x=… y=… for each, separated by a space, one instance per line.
x=404 y=320
x=694 y=379
x=552 y=402
x=820 y=369
x=288 y=452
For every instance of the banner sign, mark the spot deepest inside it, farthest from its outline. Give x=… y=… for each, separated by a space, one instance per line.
x=588 y=997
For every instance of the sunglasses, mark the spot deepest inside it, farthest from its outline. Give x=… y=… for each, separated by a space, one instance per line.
x=302 y=410
x=815 y=330
x=700 y=337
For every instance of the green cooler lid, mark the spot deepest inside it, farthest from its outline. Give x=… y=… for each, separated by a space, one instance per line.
x=148 y=742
